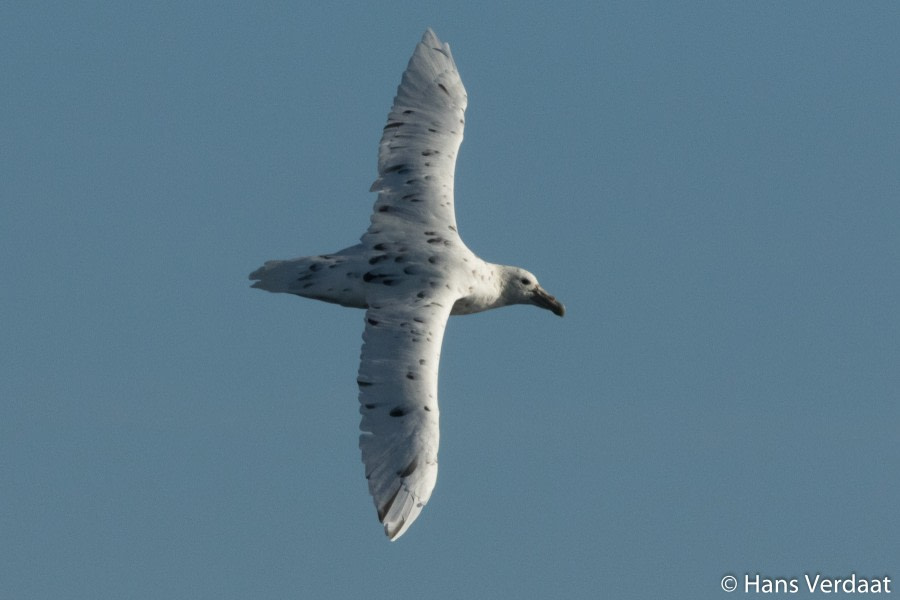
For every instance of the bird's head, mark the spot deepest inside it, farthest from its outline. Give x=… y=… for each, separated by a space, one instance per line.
x=522 y=287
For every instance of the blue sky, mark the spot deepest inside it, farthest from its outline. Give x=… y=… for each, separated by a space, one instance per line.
x=711 y=188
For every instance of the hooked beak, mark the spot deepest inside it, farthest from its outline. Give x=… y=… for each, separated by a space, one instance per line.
x=541 y=298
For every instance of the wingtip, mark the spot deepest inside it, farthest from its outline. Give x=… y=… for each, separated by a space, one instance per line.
x=430 y=39
x=394 y=529
x=403 y=507
x=393 y=533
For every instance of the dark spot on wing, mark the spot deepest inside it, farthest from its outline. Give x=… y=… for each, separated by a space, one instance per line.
x=397 y=411
x=371 y=276
x=392 y=125
x=362 y=383
x=443 y=89
x=410 y=468
x=372 y=322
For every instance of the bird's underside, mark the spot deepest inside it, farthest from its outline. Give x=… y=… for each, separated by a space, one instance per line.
x=410 y=272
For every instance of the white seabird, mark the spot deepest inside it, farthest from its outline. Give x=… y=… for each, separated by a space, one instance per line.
x=410 y=271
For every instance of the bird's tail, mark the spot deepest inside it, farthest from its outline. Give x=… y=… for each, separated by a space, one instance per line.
x=328 y=277
x=288 y=276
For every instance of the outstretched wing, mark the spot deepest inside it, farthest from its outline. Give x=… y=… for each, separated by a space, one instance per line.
x=398 y=381
x=417 y=154
x=398 y=372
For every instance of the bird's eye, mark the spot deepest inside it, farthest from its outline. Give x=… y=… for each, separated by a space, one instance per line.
x=525 y=281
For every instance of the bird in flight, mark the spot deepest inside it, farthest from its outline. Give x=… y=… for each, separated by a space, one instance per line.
x=410 y=272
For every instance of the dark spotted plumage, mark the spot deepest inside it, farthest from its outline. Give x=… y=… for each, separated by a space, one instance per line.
x=410 y=272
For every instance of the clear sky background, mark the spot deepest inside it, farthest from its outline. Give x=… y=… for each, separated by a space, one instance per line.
x=713 y=189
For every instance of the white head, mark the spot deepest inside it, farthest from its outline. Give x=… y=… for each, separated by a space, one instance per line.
x=521 y=287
